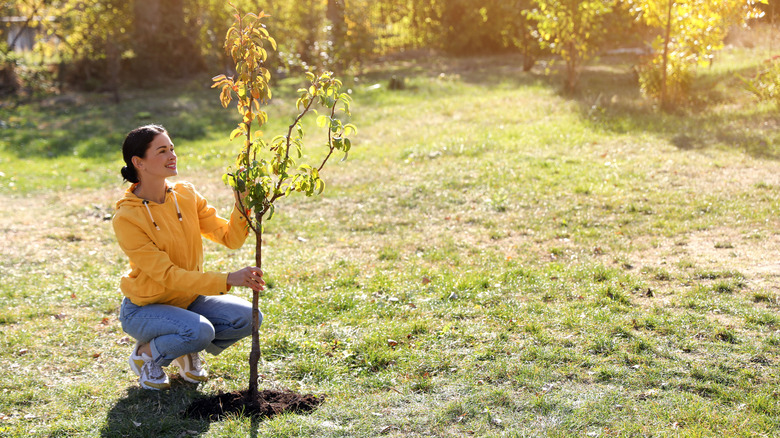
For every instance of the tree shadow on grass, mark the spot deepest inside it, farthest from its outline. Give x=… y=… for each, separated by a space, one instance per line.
x=146 y=413
x=610 y=100
x=90 y=126
x=486 y=70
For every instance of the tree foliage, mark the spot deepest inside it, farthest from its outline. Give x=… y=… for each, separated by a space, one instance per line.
x=765 y=85
x=102 y=43
x=691 y=31
x=573 y=29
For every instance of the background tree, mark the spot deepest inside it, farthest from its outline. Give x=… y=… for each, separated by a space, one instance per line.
x=265 y=172
x=691 y=31
x=572 y=29
x=91 y=38
x=165 y=37
x=520 y=31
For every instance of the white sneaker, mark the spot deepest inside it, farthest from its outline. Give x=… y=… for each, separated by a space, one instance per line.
x=191 y=368
x=150 y=375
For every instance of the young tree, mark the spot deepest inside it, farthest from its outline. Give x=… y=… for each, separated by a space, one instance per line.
x=572 y=29
x=691 y=32
x=265 y=172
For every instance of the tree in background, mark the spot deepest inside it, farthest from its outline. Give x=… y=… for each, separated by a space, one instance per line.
x=691 y=31
x=91 y=38
x=165 y=36
x=572 y=29
x=520 y=31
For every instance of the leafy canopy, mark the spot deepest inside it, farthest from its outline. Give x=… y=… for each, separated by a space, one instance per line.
x=266 y=171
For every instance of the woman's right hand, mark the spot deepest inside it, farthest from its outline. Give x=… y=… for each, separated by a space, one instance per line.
x=251 y=277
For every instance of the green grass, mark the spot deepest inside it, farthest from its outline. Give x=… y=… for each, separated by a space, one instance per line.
x=495 y=259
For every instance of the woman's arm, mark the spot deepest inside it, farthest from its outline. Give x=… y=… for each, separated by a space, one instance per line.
x=231 y=233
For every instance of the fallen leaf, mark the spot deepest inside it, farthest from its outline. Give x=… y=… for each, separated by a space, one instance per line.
x=392 y=342
x=426 y=280
x=23 y=351
x=96 y=355
x=137 y=424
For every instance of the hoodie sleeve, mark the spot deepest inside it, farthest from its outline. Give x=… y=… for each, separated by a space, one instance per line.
x=148 y=260
x=231 y=233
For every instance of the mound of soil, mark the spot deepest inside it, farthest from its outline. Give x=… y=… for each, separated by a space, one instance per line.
x=268 y=403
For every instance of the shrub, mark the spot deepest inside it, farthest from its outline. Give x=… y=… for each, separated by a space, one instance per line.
x=765 y=85
x=679 y=77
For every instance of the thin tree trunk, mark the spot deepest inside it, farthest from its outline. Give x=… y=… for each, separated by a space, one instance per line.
x=665 y=61
x=113 y=59
x=254 y=355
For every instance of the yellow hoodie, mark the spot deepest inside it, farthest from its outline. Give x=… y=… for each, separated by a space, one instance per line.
x=165 y=247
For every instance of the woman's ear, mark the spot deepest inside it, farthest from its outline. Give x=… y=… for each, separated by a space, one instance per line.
x=137 y=162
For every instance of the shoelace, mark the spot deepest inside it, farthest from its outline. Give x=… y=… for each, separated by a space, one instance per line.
x=155 y=371
x=196 y=364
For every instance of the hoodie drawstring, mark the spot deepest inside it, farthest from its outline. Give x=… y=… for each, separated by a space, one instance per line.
x=146 y=204
x=175 y=201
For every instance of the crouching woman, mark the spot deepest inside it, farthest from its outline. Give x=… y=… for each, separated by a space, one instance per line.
x=172 y=307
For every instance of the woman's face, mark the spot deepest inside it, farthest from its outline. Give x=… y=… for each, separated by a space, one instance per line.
x=159 y=160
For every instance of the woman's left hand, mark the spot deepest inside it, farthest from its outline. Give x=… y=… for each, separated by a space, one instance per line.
x=240 y=198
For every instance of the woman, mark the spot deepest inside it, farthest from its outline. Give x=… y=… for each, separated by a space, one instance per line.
x=172 y=307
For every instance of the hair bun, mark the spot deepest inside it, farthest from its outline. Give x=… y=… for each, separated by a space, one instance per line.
x=129 y=174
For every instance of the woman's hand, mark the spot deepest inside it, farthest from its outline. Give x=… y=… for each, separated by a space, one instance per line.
x=250 y=276
x=240 y=198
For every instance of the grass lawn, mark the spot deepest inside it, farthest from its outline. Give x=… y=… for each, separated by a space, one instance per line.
x=495 y=259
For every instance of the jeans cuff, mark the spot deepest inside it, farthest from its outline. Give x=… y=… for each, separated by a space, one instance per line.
x=213 y=349
x=157 y=357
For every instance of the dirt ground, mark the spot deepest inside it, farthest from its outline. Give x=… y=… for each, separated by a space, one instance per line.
x=268 y=403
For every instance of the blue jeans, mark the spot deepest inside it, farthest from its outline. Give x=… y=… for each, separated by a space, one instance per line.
x=210 y=323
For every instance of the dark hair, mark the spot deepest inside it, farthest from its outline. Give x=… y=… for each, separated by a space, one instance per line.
x=135 y=145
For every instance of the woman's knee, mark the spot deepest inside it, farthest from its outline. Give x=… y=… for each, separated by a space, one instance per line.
x=244 y=324
x=203 y=335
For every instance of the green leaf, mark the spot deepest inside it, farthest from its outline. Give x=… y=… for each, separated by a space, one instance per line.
x=322 y=121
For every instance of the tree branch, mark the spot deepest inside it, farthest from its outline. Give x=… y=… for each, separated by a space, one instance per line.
x=330 y=137
x=24 y=27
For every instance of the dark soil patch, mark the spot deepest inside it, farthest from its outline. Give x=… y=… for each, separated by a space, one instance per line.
x=268 y=403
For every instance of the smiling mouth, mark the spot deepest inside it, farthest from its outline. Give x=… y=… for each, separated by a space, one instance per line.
x=171 y=166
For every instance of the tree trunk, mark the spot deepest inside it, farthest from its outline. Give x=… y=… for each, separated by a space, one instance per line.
x=147 y=24
x=665 y=61
x=572 y=69
x=113 y=59
x=254 y=355
x=163 y=43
